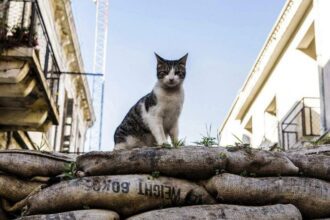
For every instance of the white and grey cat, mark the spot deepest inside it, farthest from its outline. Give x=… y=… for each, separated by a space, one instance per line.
x=155 y=116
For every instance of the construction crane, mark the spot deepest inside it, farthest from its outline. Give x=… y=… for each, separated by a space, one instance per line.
x=94 y=135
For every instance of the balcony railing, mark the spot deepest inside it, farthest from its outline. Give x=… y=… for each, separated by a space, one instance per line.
x=26 y=50
x=22 y=25
x=301 y=124
x=28 y=58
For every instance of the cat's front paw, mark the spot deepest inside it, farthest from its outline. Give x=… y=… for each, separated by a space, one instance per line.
x=166 y=145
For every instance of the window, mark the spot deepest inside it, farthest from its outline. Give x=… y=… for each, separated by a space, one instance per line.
x=67 y=125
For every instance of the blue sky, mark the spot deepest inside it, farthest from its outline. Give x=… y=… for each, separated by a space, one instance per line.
x=222 y=37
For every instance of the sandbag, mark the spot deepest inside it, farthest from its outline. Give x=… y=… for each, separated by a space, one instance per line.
x=220 y=211
x=90 y=214
x=14 y=189
x=312 y=165
x=126 y=195
x=26 y=163
x=185 y=162
x=313 y=150
x=249 y=161
x=3 y=215
x=310 y=196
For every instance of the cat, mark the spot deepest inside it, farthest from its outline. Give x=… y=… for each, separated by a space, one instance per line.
x=155 y=116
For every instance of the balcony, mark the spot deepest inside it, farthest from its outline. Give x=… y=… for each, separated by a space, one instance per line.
x=29 y=73
x=302 y=124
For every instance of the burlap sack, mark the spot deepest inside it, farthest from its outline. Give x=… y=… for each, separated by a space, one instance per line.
x=317 y=166
x=3 y=215
x=310 y=196
x=225 y=212
x=25 y=163
x=259 y=163
x=186 y=162
x=126 y=195
x=91 y=214
x=14 y=189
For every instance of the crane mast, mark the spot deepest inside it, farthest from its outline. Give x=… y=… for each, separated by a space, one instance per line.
x=94 y=135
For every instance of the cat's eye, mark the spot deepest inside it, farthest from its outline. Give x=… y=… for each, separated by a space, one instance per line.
x=177 y=72
x=162 y=74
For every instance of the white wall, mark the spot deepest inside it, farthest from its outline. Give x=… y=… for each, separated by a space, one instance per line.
x=294 y=76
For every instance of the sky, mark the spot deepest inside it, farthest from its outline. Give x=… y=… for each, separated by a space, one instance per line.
x=223 y=39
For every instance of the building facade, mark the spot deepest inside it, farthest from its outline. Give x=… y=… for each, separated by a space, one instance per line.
x=45 y=102
x=285 y=100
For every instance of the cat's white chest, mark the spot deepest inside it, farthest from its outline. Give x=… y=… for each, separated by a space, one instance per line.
x=170 y=109
x=169 y=106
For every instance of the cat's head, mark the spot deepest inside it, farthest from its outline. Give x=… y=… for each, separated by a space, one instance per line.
x=171 y=73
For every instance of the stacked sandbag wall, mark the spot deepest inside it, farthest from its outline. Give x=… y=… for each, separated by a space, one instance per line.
x=178 y=183
x=23 y=173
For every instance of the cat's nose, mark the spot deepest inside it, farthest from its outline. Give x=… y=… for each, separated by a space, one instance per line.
x=171 y=80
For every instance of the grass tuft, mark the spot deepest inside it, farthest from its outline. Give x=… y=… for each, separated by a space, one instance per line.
x=207 y=140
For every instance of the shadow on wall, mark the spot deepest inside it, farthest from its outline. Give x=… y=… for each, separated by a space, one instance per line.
x=324 y=75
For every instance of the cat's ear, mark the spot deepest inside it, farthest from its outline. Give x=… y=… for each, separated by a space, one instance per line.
x=183 y=60
x=160 y=60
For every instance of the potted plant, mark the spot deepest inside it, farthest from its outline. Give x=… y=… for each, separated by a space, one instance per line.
x=20 y=36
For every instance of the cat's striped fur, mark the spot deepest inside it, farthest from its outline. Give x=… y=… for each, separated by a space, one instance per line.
x=155 y=116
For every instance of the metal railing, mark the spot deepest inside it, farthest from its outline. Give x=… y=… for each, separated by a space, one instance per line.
x=302 y=123
x=21 y=24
